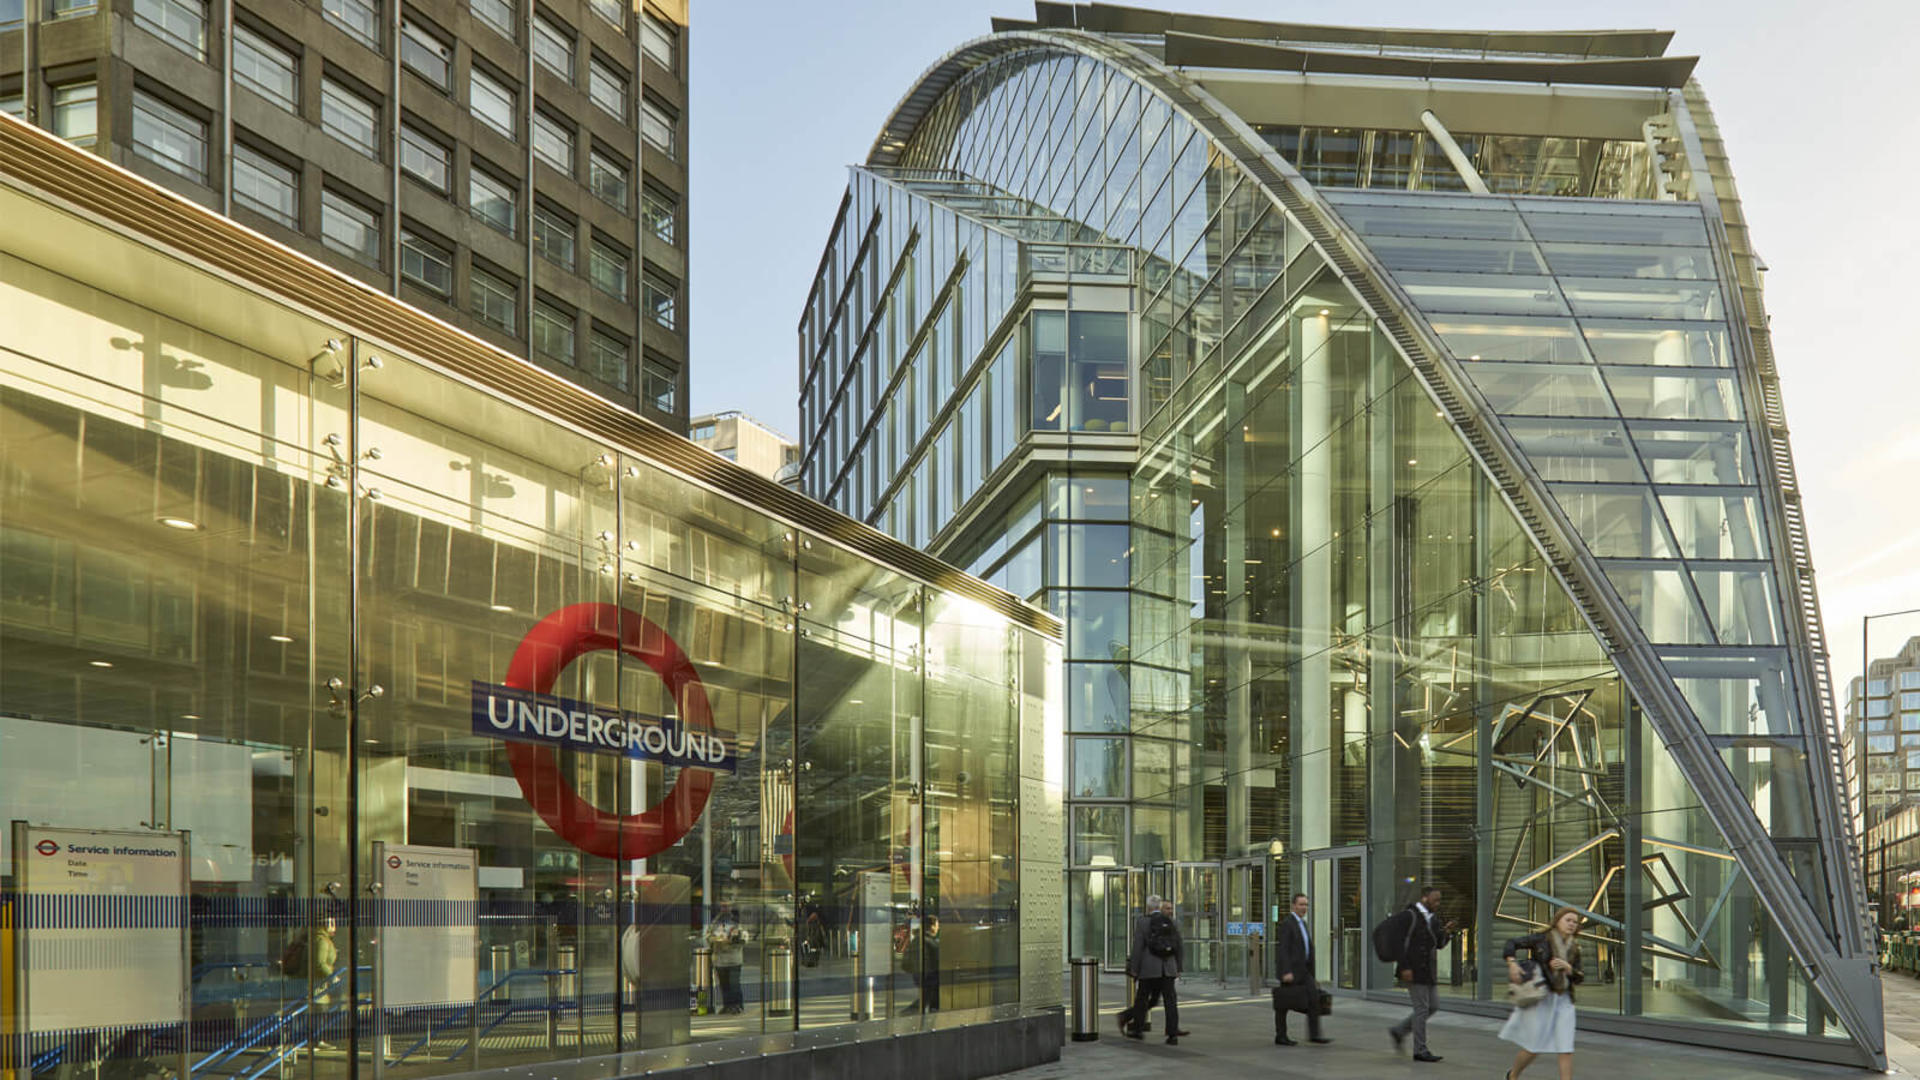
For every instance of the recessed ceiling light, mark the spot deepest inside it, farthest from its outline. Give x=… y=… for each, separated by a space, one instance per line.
x=100 y=663
x=1324 y=311
x=183 y=524
x=502 y=607
x=1413 y=461
x=190 y=716
x=281 y=638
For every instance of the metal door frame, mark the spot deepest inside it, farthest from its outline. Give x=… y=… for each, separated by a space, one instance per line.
x=1329 y=975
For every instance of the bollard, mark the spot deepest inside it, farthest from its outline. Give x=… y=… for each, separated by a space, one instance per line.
x=1086 y=998
x=702 y=980
x=499 y=966
x=780 y=980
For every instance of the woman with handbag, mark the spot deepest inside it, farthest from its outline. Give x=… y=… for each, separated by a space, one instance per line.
x=1544 y=968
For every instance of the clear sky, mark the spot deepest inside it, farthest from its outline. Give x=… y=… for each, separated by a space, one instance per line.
x=1818 y=104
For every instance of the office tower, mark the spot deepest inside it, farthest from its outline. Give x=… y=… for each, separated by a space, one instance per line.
x=1391 y=417
x=516 y=168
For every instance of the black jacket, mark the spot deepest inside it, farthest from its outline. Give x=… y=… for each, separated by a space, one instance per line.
x=1422 y=941
x=1290 y=952
x=1536 y=948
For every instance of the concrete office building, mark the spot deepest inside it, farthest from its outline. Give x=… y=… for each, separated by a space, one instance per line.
x=1391 y=418
x=373 y=703
x=740 y=438
x=516 y=168
x=1883 y=735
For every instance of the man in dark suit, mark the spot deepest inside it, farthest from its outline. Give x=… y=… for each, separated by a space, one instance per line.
x=1155 y=973
x=1422 y=935
x=1293 y=944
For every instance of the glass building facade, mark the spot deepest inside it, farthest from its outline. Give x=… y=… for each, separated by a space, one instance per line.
x=1462 y=537
x=496 y=723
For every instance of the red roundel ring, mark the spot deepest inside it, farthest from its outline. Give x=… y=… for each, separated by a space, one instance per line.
x=559 y=640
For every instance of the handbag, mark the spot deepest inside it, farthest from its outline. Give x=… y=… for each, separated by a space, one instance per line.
x=1532 y=988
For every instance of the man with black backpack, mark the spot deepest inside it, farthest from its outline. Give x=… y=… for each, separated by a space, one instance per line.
x=1412 y=939
x=1155 y=963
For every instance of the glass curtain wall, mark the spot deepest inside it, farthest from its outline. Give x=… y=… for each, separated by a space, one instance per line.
x=268 y=584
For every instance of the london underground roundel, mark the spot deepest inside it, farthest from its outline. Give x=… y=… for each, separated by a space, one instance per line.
x=556 y=641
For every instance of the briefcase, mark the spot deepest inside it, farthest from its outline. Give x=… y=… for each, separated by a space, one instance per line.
x=1323 y=1004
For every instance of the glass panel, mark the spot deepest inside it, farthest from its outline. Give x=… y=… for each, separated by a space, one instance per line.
x=1580 y=450
x=1649 y=298
x=1662 y=600
x=1741 y=603
x=1577 y=223
x=1099 y=769
x=1673 y=394
x=1649 y=343
x=1544 y=341
x=1542 y=389
x=1694 y=453
x=1488 y=257
x=1097 y=697
x=1736 y=695
x=1616 y=522
x=1715 y=525
x=1047 y=367
x=1492 y=294
x=1629 y=261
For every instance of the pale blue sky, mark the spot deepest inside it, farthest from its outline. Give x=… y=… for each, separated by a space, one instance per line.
x=1817 y=102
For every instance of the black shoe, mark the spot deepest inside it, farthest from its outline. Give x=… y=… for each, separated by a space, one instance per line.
x=1122 y=1018
x=1322 y=1040
x=1131 y=1032
x=1173 y=1040
x=1425 y=1056
x=1399 y=1041
x=1282 y=1040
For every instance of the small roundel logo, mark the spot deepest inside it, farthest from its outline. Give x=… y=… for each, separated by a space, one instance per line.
x=393 y=862
x=47 y=847
x=559 y=640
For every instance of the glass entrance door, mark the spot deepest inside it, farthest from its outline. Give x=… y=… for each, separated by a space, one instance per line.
x=1124 y=896
x=1196 y=896
x=1336 y=881
x=1246 y=929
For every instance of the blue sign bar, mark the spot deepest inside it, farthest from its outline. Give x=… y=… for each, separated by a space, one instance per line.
x=502 y=712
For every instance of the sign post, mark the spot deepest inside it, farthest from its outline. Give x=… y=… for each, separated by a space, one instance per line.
x=429 y=929
x=98 y=908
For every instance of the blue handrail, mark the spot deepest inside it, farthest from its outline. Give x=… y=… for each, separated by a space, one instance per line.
x=248 y=1040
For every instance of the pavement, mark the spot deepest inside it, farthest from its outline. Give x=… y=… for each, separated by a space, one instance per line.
x=1232 y=1036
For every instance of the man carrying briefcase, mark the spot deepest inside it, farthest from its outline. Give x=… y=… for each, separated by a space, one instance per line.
x=1297 y=992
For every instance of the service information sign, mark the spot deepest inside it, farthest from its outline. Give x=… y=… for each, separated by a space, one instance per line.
x=103 y=927
x=429 y=942
x=503 y=712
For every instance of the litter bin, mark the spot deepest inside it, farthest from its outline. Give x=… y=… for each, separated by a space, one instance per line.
x=1086 y=998
x=499 y=966
x=702 y=980
x=780 y=980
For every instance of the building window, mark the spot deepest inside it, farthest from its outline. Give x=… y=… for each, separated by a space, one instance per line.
x=492 y=101
x=70 y=9
x=701 y=432
x=265 y=186
x=553 y=332
x=182 y=22
x=349 y=228
x=658 y=298
x=497 y=14
x=266 y=68
x=349 y=117
x=495 y=299
x=608 y=88
x=76 y=112
x=14 y=105
x=607 y=177
x=553 y=142
x=657 y=124
x=492 y=199
x=607 y=267
x=1910 y=680
x=425 y=159
x=553 y=236
x=660 y=40
x=426 y=263
x=553 y=47
x=613 y=11
x=607 y=358
x=169 y=137
x=425 y=54
x=657 y=211
x=657 y=384
x=361 y=18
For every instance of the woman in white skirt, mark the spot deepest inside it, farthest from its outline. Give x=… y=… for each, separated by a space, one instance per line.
x=1546 y=1027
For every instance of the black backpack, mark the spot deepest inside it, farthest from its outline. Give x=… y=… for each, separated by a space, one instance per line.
x=1383 y=939
x=1163 y=939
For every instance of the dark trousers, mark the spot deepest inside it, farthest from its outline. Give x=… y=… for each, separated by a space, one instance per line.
x=730 y=995
x=1297 y=995
x=1165 y=990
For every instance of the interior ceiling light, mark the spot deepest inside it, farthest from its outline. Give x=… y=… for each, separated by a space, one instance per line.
x=183 y=524
x=281 y=638
x=502 y=607
x=100 y=663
